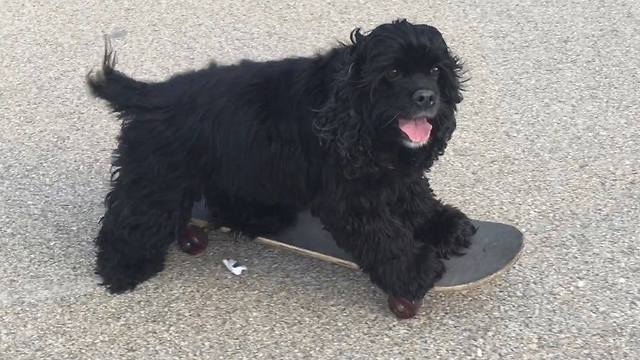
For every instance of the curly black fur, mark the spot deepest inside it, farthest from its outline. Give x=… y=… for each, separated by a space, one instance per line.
x=261 y=141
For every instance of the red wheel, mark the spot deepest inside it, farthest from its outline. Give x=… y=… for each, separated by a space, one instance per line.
x=403 y=308
x=193 y=241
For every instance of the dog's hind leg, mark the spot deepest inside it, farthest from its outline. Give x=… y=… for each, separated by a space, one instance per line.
x=143 y=217
x=145 y=213
x=148 y=206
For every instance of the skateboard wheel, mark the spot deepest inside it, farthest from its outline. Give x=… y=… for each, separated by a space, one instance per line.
x=193 y=241
x=403 y=308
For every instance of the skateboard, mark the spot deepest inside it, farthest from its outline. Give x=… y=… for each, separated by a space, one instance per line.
x=494 y=249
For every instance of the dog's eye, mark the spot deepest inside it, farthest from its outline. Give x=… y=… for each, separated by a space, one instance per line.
x=392 y=74
x=435 y=70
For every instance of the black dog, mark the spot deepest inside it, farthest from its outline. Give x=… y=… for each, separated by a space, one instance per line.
x=348 y=134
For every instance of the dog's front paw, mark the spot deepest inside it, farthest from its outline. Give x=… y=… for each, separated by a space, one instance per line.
x=460 y=238
x=451 y=232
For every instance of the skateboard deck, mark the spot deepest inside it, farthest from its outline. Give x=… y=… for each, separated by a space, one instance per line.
x=494 y=248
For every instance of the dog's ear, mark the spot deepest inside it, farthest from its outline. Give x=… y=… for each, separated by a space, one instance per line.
x=452 y=91
x=454 y=80
x=339 y=126
x=357 y=53
x=358 y=46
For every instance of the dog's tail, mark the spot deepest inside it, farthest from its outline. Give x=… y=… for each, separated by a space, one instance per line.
x=124 y=94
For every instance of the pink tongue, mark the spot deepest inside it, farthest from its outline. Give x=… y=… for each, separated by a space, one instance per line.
x=417 y=130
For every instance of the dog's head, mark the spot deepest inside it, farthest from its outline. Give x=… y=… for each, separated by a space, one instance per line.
x=401 y=86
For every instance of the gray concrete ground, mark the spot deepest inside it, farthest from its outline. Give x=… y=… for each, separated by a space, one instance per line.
x=548 y=140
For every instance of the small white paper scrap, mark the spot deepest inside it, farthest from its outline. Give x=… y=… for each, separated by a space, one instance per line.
x=234 y=266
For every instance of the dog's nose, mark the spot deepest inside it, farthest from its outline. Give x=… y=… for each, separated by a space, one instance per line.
x=426 y=98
